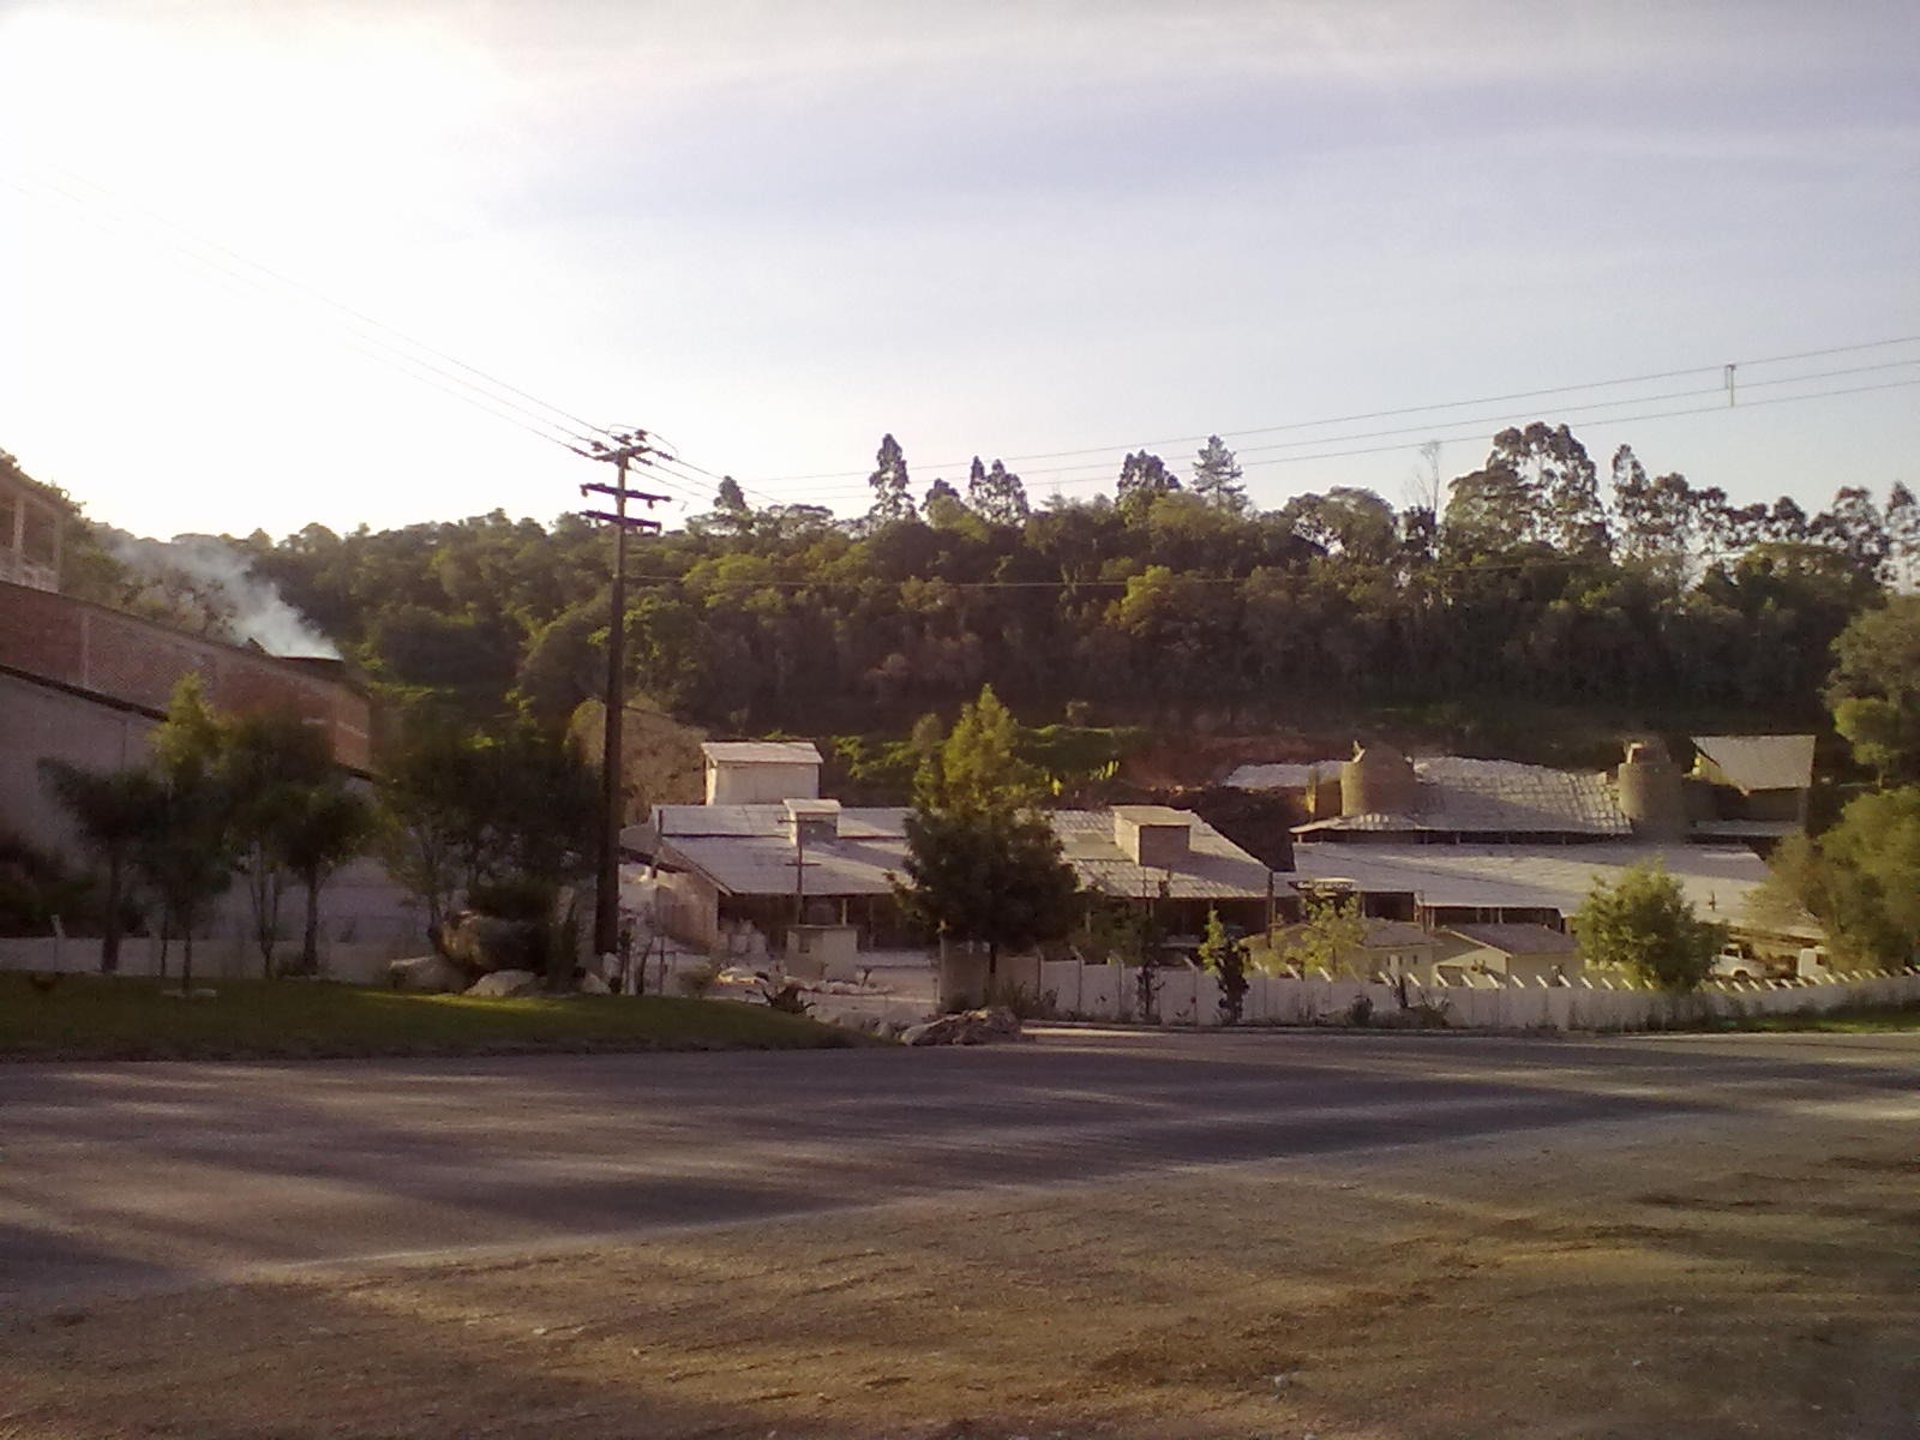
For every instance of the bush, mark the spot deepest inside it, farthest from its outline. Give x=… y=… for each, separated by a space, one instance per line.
x=1027 y=1003
x=515 y=899
x=697 y=980
x=36 y=886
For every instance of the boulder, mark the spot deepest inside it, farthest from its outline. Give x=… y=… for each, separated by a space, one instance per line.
x=486 y=942
x=427 y=975
x=505 y=984
x=969 y=1027
x=592 y=984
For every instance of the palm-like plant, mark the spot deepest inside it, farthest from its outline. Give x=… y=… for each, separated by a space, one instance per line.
x=115 y=812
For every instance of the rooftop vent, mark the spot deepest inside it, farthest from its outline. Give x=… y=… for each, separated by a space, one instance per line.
x=1156 y=836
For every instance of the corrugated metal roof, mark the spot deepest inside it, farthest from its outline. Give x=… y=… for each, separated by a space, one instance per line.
x=746 y=850
x=1214 y=868
x=1518 y=939
x=764 y=864
x=1760 y=762
x=1283 y=777
x=1459 y=795
x=1717 y=880
x=761 y=752
x=856 y=822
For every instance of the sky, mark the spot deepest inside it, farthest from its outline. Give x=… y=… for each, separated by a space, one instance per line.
x=770 y=231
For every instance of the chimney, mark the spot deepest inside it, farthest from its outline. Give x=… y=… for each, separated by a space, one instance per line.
x=812 y=822
x=1156 y=836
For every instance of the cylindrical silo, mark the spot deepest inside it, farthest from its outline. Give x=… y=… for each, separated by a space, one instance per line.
x=1653 y=792
x=1378 y=780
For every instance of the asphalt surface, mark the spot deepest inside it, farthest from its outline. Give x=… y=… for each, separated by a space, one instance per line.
x=132 y=1177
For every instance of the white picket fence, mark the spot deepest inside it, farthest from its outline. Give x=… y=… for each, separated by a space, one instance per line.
x=1069 y=990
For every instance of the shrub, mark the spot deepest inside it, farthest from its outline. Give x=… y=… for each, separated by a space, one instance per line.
x=697 y=980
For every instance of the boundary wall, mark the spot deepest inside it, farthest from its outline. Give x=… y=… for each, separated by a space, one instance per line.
x=1069 y=990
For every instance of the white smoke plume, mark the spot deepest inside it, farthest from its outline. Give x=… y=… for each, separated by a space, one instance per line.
x=211 y=584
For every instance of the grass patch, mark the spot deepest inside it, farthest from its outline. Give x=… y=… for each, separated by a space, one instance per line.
x=91 y=1017
x=1853 y=1020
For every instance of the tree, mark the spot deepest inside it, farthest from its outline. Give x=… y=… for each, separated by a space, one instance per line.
x=892 y=500
x=983 y=866
x=1646 y=926
x=988 y=877
x=115 y=812
x=979 y=766
x=1875 y=688
x=1861 y=879
x=1225 y=954
x=327 y=826
x=942 y=505
x=428 y=835
x=513 y=811
x=188 y=858
x=268 y=764
x=1216 y=477
x=1332 y=929
x=1144 y=478
x=996 y=494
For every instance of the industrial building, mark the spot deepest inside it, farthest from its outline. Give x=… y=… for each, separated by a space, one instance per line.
x=809 y=874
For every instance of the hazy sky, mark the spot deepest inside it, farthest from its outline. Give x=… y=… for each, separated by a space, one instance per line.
x=772 y=230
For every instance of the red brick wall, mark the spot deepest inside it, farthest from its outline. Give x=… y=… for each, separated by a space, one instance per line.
x=139 y=662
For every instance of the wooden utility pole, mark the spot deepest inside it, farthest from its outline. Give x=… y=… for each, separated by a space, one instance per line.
x=629 y=447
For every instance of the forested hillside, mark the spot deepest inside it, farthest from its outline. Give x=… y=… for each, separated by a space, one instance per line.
x=1533 y=576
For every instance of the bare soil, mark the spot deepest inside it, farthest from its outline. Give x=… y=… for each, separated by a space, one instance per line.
x=1724 y=1279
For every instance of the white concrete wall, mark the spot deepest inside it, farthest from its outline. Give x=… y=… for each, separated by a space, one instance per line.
x=37 y=722
x=759 y=783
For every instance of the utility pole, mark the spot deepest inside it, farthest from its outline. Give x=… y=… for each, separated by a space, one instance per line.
x=628 y=448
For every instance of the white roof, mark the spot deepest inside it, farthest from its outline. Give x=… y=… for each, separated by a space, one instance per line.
x=1283 y=777
x=1153 y=814
x=761 y=752
x=1761 y=762
x=747 y=850
x=1214 y=868
x=1459 y=795
x=1717 y=880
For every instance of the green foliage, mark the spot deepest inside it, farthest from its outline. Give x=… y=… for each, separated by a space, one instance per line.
x=465 y=809
x=36 y=887
x=115 y=813
x=1224 y=954
x=992 y=876
x=1330 y=932
x=1875 y=688
x=187 y=859
x=1646 y=926
x=984 y=865
x=979 y=766
x=1862 y=878
x=1161 y=608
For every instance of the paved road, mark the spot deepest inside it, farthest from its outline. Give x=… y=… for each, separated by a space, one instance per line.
x=122 y=1177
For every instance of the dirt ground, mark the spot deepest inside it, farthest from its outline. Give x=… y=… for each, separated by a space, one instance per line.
x=1704 y=1278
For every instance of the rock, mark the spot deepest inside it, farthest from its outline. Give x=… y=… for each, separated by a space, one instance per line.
x=505 y=984
x=427 y=975
x=485 y=942
x=592 y=984
x=969 y=1027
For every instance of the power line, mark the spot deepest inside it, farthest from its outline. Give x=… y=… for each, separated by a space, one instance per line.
x=374 y=338
x=1105 y=470
x=1396 y=412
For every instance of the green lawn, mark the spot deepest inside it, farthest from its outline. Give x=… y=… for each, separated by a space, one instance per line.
x=1865 y=1021
x=96 y=1018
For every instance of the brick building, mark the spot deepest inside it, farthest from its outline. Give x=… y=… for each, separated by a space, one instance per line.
x=87 y=685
